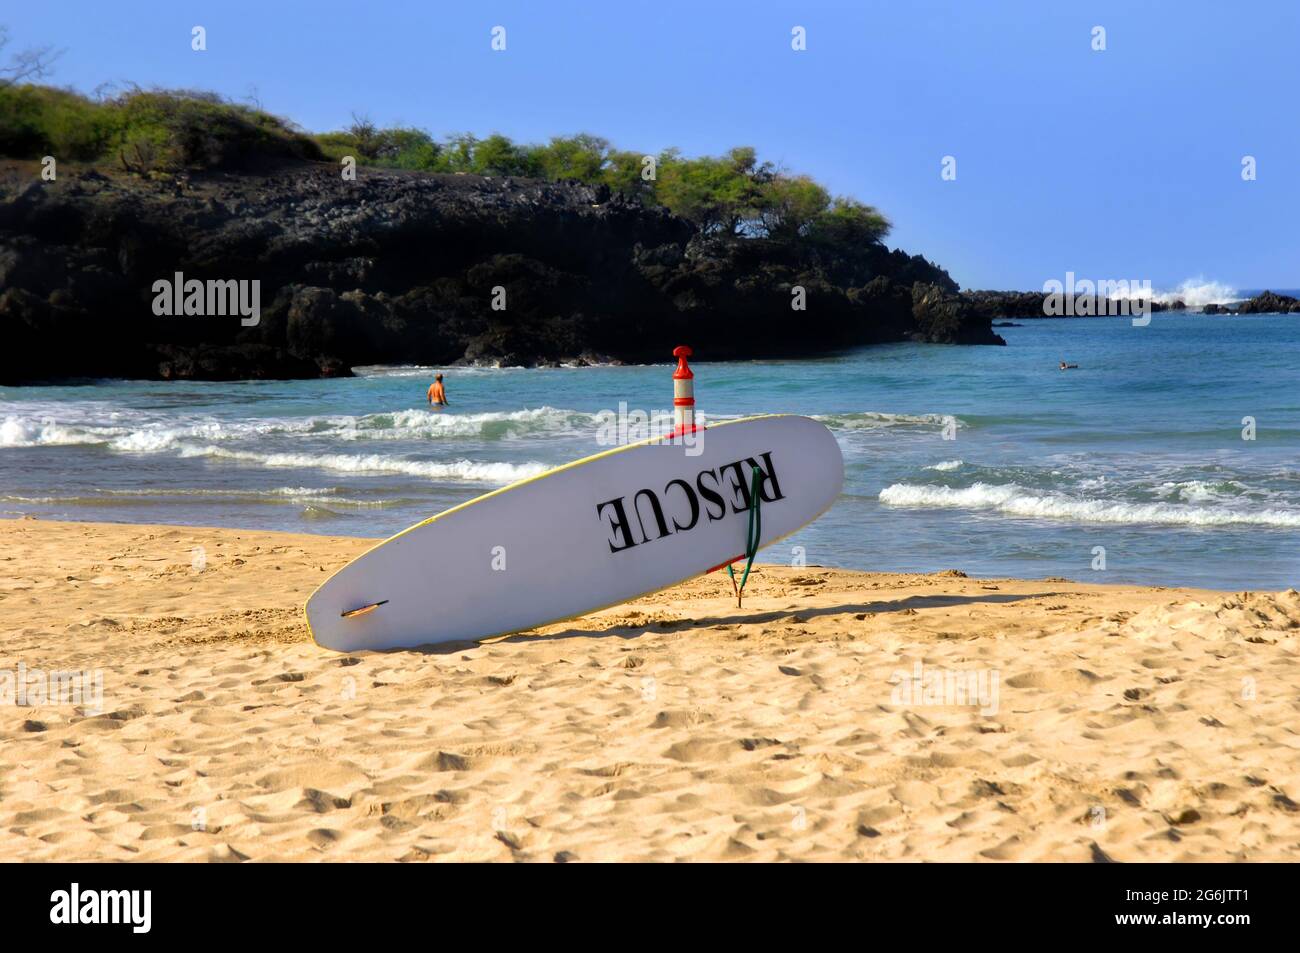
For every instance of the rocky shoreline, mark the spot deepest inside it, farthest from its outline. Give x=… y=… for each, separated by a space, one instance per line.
x=1034 y=304
x=1265 y=303
x=399 y=267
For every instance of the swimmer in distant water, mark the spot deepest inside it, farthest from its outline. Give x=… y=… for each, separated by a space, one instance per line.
x=437 y=394
x=1068 y=367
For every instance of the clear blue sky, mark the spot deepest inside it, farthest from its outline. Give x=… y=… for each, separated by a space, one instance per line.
x=1117 y=164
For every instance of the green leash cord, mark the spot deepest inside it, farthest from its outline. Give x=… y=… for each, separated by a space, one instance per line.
x=752 y=534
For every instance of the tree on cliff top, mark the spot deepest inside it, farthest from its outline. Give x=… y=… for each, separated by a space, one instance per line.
x=849 y=222
x=498 y=155
x=721 y=194
x=788 y=206
x=734 y=194
x=579 y=158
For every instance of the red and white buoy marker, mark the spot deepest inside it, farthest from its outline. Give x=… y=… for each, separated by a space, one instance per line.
x=683 y=392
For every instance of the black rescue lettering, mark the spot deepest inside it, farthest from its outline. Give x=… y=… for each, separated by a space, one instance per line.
x=711 y=495
x=767 y=478
x=712 y=486
x=618 y=524
x=690 y=498
x=739 y=486
x=658 y=513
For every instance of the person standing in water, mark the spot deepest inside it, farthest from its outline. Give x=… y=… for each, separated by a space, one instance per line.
x=437 y=394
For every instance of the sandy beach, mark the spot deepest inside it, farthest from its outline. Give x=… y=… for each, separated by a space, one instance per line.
x=837 y=716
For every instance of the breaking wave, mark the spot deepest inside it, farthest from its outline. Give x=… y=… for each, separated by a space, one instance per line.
x=1015 y=500
x=30 y=431
x=1194 y=292
x=131 y=497
x=470 y=471
x=873 y=420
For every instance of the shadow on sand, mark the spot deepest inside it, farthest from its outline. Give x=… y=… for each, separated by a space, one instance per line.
x=740 y=618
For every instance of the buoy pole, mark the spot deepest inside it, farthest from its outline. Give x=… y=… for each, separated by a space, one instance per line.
x=683 y=392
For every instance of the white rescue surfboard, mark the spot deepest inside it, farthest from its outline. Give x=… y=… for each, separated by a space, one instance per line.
x=584 y=536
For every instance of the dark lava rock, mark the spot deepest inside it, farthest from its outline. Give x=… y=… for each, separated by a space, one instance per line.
x=1269 y=303
x=399 y=267
x=1034 y=304
x=944 y=317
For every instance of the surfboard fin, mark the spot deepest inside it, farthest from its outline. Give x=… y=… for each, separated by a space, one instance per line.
x=362 y=610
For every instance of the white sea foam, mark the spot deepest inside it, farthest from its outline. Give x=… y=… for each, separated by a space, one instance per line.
x=422 y=370
x=1197 y=293
x=293 y=492
x=872 y=420
x=395 y=370
x=470 y=471
x=1200 y=491
x=414 y=424
x=128 y=496
x=1194 y=292
x=946 y=465
x=172 y=434
x=1015 y=500
x=163 y=436
x=27 y=431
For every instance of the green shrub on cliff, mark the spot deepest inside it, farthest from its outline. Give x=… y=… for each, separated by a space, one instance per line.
x=788 y=205
x=201 y=130
x=400 y=147
x=732 y=194
x=143 y=130
x=629 y=173
x=36 y=121
x=722 y=193
x=849 y=222
x=497 y=155
x=579 y=158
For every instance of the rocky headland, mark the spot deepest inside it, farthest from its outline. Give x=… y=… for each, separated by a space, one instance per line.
x=403 y=267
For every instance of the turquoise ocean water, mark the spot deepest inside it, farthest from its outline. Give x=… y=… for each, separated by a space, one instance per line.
x=1139 y=451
